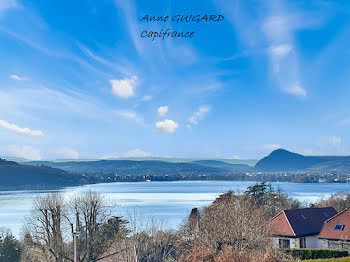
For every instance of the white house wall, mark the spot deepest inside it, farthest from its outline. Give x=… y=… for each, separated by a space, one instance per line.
x=313 y=242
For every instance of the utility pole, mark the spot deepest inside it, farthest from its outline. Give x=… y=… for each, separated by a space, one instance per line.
x=76 y=234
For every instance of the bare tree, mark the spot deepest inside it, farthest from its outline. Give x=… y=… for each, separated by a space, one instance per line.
x=339 y=200
x=53 y=222
x=235 y=221
x=148 y=240
x=44 y=226
x=232 y=228
x=89 y=215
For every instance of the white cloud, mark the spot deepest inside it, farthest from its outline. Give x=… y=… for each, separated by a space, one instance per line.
x=343 y=122
x=335 y=140
x=296 y=90
x=146 y=98
x=124 y=88
x=327 y=146
x=277 y=53
x=27 y=152
x=66 y=153
x=279 y=31
x=17 y=78
x=163 y=110
x=130 y=115
x=281 y=50
x=199 y=114
x=167 y=126
x=277 y=27
x=19 y=130
x=7 y=4
x=270 y=147
x=236 y=157
x=137 y=153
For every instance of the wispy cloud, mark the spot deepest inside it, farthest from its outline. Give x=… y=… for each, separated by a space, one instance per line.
x=129 y=114
x=146 y=98
x=343 y=122
x=24 y=151
x=162 y=110
x=327 y=145
x=270 y=147
x=167 y=126
x=20 y=130
x=277 y=53
x=17 y=78
x=28 y=102
x=8 y=4
x=297 y=90
x=33 y=44
x=136 y=153
x=65 y=153
x=129 y=10
x=279 y=32
x=113 y=65
x=124 y=88
x=199 y=114
x=274 y=28
x=41 y=47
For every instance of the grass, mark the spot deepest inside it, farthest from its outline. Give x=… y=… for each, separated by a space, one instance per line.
x=341 y=259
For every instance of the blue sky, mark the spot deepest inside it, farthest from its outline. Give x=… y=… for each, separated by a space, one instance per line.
x=78 y=81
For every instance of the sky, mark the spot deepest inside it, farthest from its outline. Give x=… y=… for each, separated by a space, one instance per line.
x=78 y=81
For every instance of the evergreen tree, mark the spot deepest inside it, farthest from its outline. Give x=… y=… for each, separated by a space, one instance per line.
x=9 y=249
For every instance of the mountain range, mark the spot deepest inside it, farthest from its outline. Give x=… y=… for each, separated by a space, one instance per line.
x=64 y=173
x=279 y=160
x=147 y=167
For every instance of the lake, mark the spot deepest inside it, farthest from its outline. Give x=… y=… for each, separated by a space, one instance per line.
x=168 y=201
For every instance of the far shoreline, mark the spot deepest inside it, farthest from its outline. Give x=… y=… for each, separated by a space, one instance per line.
x=55 y=188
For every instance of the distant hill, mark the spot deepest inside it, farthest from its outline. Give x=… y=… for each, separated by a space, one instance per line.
x=283 y=160
x=133 y=168
x=249 y=162
x=16 y=175
x=224 y=165
x=15 y=159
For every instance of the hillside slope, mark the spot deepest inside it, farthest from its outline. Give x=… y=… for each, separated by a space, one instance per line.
x=128 y=167
x=223 y=165
x=13 y=174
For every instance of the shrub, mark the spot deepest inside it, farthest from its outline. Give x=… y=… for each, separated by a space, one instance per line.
x=305 y=253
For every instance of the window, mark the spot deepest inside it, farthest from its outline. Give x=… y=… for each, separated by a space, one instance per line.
x=303 y=216
x=325 y=214
x=339 y=227
x=302 y=242
x=284 y=243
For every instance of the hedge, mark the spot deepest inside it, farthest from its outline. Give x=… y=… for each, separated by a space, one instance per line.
x=304 y=253
x=341 y=259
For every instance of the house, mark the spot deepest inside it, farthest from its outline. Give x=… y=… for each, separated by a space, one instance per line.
x=299 y=228
x=335 y=232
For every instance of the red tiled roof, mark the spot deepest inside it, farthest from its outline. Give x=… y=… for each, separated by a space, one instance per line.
x=280 y=226
x=300 y=222
x=328 y=231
